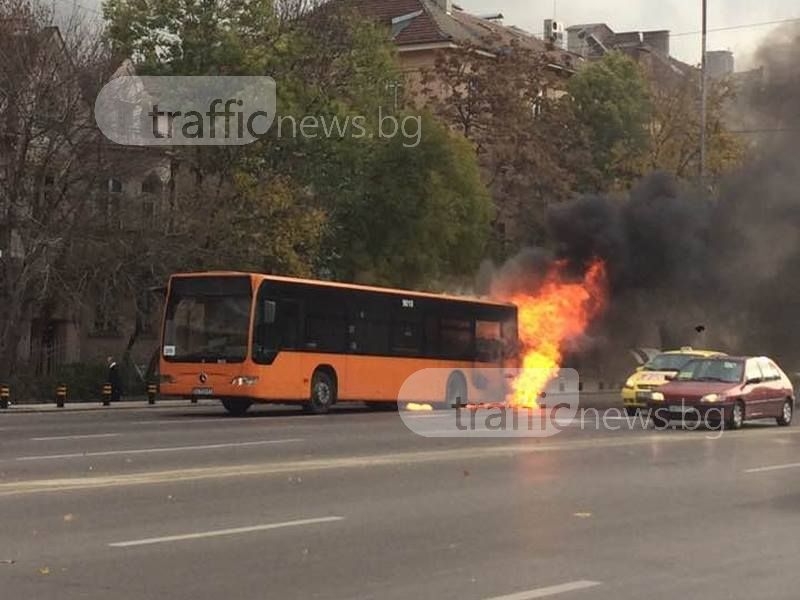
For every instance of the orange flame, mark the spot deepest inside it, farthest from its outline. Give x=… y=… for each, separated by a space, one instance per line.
x=558 y=312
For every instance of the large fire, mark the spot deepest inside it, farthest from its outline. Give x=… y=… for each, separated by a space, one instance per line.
x=558 y=312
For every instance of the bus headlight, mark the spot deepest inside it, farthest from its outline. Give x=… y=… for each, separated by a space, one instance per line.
x=244 y=380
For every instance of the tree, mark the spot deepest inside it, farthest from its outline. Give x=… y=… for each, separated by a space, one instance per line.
x=265 y=225
x=174 y=37
x=531 y=149
x=612 y=101
x=420 y=215
x=674 y=144
x=52 y=163
x=334 y=68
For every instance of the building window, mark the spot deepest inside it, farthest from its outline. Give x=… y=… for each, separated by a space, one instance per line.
x=537 y=104
x=151 y=184
x=148 y=212
x=114 y=212
x=49 y=189
x=114 y=186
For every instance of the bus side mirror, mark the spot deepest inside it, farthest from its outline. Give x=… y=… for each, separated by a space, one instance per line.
x=270 y=312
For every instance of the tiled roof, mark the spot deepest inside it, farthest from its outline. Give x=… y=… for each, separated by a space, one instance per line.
x=419 y=22
x=420 y=26
x=426 y=22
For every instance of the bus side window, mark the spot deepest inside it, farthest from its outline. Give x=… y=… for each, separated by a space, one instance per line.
x=406 y=337
x=370 y=327
x=510 y=339
x=263 y=336
x=288 y=323
x=326 y=324
x=488 y=341
x=432 y=349
x=271 y=338
x=457 y=339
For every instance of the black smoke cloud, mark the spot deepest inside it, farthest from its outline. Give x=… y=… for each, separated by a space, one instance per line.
x=690 y=267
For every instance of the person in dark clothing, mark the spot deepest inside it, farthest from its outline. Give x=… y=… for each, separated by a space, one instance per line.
x=115 y=379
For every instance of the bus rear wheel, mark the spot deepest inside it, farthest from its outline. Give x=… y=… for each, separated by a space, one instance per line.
x=323 y=393
x=455 y=393
x=236 y=407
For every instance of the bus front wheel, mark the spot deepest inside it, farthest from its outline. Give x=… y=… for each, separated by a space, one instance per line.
x=236 y=407
x=323 y=393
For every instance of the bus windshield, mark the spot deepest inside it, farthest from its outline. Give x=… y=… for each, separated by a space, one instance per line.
x=207 y=320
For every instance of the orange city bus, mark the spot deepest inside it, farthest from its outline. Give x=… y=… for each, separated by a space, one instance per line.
x=249 y=338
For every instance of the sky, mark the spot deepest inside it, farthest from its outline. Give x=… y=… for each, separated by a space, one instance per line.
x=678 y=16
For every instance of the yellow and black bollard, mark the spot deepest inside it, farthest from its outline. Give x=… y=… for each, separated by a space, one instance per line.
x=107 y=394
x=152 y=392
x=5 y=396
x=61 y=395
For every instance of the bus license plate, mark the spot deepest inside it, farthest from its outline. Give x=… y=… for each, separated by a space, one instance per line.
x=202 y=391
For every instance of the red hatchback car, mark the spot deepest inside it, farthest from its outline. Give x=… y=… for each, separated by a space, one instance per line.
x=728 y=390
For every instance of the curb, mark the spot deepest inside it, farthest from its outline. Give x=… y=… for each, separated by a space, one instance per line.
x=98 y=406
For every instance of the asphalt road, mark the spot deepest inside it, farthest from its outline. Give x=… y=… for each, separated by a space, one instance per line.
x=186 y=503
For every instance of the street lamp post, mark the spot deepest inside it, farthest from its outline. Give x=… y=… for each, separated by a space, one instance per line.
x=703 y=94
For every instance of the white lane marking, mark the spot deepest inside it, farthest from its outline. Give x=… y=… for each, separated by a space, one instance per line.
x=191 y=420
x=550 y=425
x=224 y=532
x=159 y=450
x=75 y=437
x=411 y=415
x=774 y=468
x=572 y=586
x=181 y=421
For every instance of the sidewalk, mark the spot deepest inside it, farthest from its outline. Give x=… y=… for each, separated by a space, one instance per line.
x=97 y=406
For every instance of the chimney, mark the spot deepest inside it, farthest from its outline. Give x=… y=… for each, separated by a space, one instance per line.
x=720 y=63
x=658 y=40
x=445 y=5
x=555 y=33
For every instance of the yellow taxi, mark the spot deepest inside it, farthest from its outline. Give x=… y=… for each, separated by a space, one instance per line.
x=657 y=372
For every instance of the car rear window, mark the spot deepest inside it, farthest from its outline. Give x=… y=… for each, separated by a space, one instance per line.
x=670 y=362
x=725 y=371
